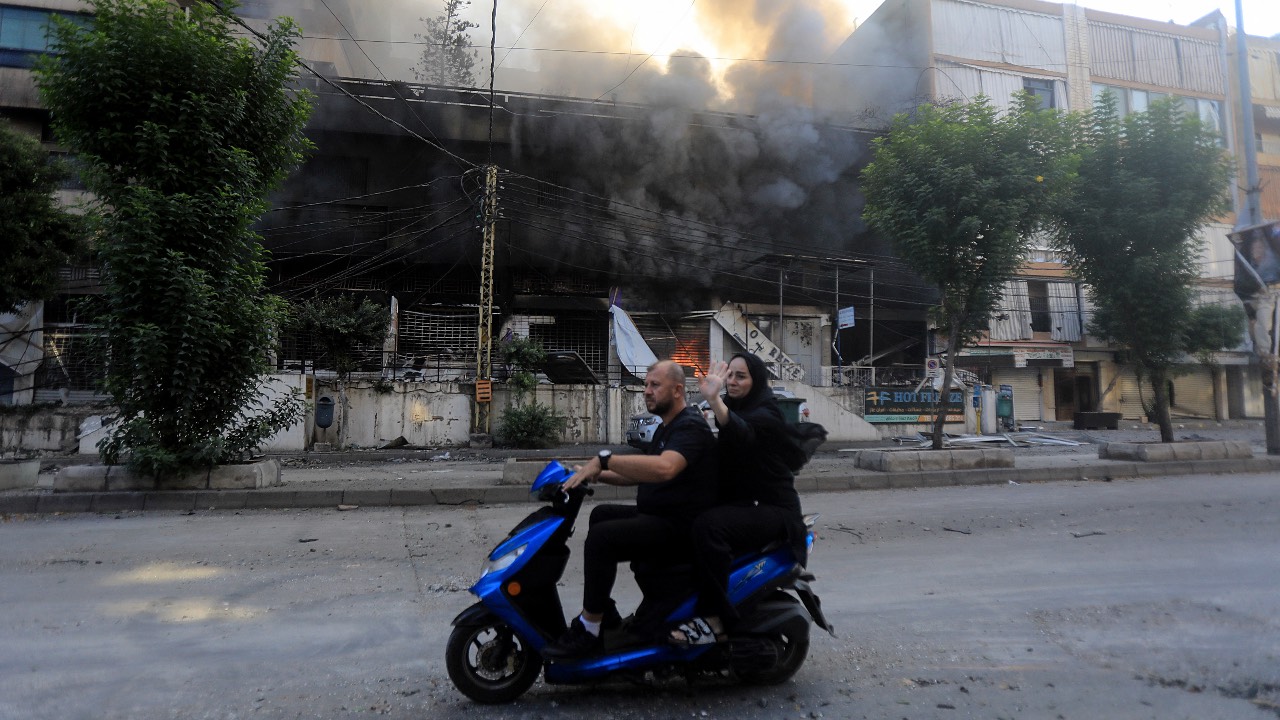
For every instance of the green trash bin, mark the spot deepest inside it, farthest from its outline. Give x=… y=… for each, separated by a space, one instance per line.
x=791 y=409
x=1004 y=407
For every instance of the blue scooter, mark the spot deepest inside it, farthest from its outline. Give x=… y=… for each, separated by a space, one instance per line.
x=494 y=652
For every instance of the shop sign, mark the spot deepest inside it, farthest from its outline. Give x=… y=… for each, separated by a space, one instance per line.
x=1021 y=356
x=904 y=405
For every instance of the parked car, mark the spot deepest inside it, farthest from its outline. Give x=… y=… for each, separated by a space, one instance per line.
x=641 y=428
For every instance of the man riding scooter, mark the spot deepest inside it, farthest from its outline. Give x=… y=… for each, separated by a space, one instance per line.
x=676 y=481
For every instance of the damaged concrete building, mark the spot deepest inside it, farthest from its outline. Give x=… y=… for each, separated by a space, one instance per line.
x=695 y=207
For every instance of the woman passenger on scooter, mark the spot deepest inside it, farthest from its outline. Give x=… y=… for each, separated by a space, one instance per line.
x=758 y=499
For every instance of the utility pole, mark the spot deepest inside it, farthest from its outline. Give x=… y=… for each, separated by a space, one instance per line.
x=480 y=420
x=1264 y=303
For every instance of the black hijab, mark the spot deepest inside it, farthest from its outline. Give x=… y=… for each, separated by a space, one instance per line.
x=760 y=391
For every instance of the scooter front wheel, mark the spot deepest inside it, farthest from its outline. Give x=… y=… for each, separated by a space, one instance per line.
x=490 y=663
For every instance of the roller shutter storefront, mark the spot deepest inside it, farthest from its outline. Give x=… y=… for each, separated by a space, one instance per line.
x=1026 y=392
x=1130 y=398
x=1193 y=393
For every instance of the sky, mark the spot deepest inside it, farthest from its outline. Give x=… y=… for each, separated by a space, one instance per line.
x=622 y=48
x=723 y=30
x=666 y=25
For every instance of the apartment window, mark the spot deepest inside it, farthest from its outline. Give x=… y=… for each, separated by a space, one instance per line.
x=1038 y=299
x=1210 y=114
x=1136 y=101
x=23 y=28
x=24 y=33
x=1041 y=89
x=1120 y=94
x=1139 y=100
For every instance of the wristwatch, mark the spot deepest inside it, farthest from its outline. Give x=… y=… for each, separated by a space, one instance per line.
x=603 y=456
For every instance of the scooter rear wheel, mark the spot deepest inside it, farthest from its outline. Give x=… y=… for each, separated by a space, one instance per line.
x=490 y=663
x=793 y=641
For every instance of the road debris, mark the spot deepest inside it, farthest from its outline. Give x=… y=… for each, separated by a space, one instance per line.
x=1011 y=439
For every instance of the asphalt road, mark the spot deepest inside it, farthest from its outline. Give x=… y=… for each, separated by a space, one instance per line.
x=1152 y=598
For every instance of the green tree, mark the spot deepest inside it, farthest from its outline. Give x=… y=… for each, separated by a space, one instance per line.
x=1214 y=328
x=39 y=235
x=1145 y=186
x=523 y=356
x=183 y=129
x=527 y=425
x=447 y=57
x=339 y=327
x=959 y=189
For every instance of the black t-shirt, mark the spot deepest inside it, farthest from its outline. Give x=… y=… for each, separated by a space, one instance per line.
x=686 y=495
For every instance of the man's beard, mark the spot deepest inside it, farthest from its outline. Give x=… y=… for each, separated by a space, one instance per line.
x=660 y=409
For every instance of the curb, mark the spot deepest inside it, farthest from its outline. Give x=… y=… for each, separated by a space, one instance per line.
x=283 y=497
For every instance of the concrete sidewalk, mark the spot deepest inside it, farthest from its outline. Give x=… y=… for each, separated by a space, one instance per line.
x=456 y=476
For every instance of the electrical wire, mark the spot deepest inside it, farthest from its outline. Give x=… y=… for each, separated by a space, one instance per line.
x=650 y=55
x=1158 y=61
x=414 y=186
x=522 y=32
x=302 y=63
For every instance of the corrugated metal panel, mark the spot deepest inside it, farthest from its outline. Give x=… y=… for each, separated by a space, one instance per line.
x=1155 y=59
x=1131 y=398
x=958 y=81
x=1269 y=178
x=688 y=342
x=1193 y=393
x=1001 y=87
x=1264 y=75
x=1110 y=52
x=999 y=34
x=1202 y=66
x=1012 y=320
x=1086 y=314
x=1026 y=392
x=71 y=397
x=1064 y=312
x=968 y=81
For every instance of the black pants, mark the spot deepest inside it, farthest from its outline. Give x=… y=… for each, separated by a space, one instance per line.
x=621 y=533
x=721 y=534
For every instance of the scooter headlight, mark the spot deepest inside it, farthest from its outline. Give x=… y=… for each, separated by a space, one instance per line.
x=503 y=561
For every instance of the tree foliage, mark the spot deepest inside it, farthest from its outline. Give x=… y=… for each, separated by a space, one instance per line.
x=338 y=326
x=959 y=189
x=527 y=425
x=447 y=57
x=39 y=235
x=183 y=129
x=524 y=356
x=1145 y=186
x=1214 y=328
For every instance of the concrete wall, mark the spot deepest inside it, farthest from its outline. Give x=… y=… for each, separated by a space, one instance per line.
x=42 y=429
x=292 y=438
x=439 y=414
x=425 y=415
